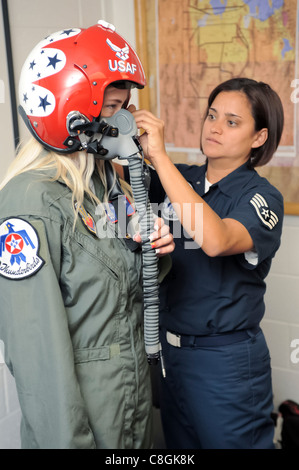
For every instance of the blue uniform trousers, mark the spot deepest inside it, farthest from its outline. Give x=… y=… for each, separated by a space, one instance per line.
x=217 y=397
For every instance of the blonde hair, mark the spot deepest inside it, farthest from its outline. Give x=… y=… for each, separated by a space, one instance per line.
x=75 y=170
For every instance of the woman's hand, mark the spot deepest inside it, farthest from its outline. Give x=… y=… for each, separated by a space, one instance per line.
x=161 y=239
x=152 y=139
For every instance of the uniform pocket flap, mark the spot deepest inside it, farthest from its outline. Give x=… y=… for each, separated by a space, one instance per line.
x=96 y=354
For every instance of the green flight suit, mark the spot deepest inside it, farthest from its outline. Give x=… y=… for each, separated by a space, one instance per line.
x=73 y=329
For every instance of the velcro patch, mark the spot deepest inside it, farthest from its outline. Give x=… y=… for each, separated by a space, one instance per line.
x=123 y=207
x=87 y=219
x=268 y=217
x=19 y=247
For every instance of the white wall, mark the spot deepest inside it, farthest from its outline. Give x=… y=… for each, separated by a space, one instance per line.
x=281 y=322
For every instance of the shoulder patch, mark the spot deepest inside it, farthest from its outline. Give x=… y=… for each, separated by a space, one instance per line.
x=19 y=247
x=268 y=217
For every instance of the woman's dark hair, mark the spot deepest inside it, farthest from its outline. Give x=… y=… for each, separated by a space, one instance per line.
x=267 y=112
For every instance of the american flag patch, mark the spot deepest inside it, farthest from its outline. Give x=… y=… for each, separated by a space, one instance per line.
x=268 y=217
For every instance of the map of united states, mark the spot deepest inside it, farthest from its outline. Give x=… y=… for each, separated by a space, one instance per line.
x=202 y=43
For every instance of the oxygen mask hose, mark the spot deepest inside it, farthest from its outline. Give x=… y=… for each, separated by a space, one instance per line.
x=149 y=259
x=126 y=146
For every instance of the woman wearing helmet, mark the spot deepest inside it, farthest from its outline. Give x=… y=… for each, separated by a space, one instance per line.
x=72 y=324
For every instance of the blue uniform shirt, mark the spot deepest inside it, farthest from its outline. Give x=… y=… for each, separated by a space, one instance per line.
x=203 y=295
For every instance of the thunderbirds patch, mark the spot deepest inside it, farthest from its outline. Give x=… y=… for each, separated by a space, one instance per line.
x=19 y=246
x=268 y=217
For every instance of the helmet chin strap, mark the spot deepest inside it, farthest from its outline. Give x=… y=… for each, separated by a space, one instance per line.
x=79 y=126
x=81 y=132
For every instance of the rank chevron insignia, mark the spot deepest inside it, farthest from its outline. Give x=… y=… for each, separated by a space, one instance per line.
x=268 y=217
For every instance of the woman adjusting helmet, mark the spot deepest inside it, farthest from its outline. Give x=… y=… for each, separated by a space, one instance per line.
x=63 y=81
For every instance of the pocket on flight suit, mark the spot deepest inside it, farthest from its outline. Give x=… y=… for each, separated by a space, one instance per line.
x=96 y=253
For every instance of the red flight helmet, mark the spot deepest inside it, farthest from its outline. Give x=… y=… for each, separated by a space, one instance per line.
x=65 y=77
